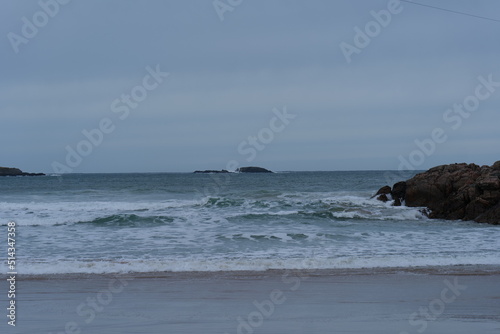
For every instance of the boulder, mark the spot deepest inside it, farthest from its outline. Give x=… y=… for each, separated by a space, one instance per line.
x=456 y=191
x=398 y=193
x=383 y=198
x=382 y=191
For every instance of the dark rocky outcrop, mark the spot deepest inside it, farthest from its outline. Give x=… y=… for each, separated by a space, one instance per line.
x=7 y=171
x=382 y=194
x=209 y=171
x=398 y=192
x=382 y=191
x=456 y=191
x=253 y=170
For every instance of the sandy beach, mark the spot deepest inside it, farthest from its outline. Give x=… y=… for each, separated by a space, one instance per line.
x=250 y=167
x=438 y=300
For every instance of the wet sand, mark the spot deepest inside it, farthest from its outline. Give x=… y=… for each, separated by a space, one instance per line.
x=356 y=301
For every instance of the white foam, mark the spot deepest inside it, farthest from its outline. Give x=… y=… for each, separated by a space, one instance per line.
x=311 y=263
x=53 y=213
x=72 y=212
x=320 y=231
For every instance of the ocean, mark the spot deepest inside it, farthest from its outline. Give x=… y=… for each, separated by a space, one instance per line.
x=184 y=222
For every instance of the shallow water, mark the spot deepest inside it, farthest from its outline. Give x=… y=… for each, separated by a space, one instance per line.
x=105 y=223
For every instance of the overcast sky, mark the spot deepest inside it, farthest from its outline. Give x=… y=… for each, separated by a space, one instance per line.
x=230 y=66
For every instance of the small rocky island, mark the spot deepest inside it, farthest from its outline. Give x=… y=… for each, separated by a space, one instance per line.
x=210 y=171
x=456 y=191
x=8 y=171
x=239 y=170
x=253 y=170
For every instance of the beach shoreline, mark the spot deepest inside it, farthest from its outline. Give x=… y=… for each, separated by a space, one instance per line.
x=378 y=300
x=452 y=270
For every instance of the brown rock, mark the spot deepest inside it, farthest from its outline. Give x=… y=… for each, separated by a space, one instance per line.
x=491 y=216
x=383 y=198
x=398 y=192
x=456 y=191
x=384 y=190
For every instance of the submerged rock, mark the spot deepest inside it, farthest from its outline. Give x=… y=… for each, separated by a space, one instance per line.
x=456 y=191
x=383 y=198
x=253 y=170
x=382 y=194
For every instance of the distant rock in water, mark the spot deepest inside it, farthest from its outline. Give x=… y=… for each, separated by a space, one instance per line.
x=253 y=170
x=6 y=171
x=209 y=171
x=456 y=191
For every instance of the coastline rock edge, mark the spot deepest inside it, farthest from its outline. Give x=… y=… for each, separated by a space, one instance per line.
x=9 y=171
x=456 y=191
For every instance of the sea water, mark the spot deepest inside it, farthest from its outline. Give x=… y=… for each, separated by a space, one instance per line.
x=116 y=223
